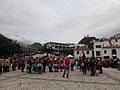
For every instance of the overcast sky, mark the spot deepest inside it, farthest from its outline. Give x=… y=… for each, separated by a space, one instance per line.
x=59 y=20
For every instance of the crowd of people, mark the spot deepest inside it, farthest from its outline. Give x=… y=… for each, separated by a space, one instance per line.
x=60 y=64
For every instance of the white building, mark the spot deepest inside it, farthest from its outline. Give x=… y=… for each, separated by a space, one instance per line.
x=98 y=49
x=81 y=51
x=111 y=52
x=108 y=48
x=59 y=47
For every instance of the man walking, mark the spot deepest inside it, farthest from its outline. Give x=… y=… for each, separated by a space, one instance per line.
x=66 y=67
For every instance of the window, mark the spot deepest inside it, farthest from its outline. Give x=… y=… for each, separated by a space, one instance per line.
x=105 y=51
x=87 y=52
x=114 y=51
x=60 y=47
x=77 y=52
x=63 y=47
x=97 y=53
x=98 y=46
x=116 y=40
x=52 y=45
x=56 y=46
x=77 y=46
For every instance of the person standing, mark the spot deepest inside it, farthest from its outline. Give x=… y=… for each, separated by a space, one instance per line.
x=61 y=66
x=39 y=68
x=44 y=65
x=0 y=67
x=72 y=65
x=118 y=64
x=19 y=63
x=92 y=67
x=100 y=66
x=14 y=65
x=83 y=65
x=50 y=66
x=23 y=66
x=30 y=65
x=55 y=66
x=67 y=64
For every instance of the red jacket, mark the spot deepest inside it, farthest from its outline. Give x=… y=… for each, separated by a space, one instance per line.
x=67 y=62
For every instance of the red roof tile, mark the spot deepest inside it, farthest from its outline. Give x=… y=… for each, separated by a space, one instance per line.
x=115 y=37
x=82 y=48
x=107 y=39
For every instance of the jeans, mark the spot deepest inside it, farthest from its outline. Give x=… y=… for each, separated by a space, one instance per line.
x=66 y=71
x=84 y=70
x=92 y=71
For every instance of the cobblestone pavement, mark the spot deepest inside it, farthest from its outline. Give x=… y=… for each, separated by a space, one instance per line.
x=16 y=80
x=113 y=73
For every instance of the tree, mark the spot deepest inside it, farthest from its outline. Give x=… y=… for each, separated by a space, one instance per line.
x=8 y=47
x=66 y=52
x=49 y=50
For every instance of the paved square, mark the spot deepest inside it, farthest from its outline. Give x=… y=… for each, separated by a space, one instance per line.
x=16 y=80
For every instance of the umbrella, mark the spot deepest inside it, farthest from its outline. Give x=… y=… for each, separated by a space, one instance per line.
x=70 y=56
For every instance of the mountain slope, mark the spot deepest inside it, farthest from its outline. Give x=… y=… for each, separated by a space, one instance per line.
x=88 y=41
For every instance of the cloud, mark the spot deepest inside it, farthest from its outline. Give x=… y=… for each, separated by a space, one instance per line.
x=63 y=21
x=20 y=39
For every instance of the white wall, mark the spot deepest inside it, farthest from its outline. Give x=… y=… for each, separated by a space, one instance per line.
x=81 y=54
x=114 y=42
x=118 y=53
x=109 y=53
x=88 y=55
x=106 y=43
x=76 y=55
x=98 y=49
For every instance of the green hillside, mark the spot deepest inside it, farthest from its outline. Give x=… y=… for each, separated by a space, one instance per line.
x=8 y=47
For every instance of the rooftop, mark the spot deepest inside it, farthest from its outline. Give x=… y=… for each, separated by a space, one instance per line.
x=82 y=48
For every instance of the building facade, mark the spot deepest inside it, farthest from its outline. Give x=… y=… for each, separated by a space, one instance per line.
x=82 y=51
x=59 y=47
x=104 y=48
x=98 y=47
x=108 y=47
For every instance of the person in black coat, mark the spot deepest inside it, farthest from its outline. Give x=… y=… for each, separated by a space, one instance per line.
x=23 y=66
x=92 y=67
x=44 y=65
x=14 y=65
